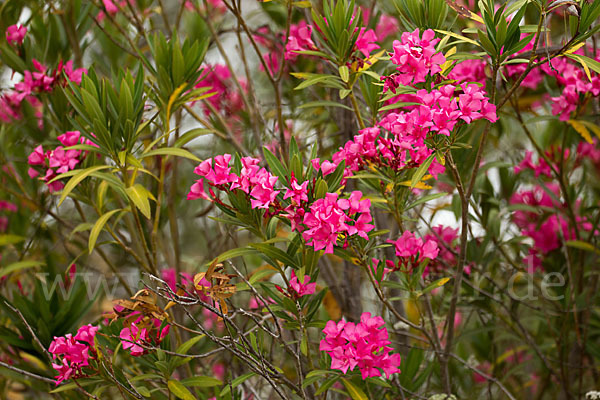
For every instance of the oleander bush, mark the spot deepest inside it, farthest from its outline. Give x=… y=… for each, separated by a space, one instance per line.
x=320 y=199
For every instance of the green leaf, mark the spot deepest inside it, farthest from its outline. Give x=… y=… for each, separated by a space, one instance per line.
x=344 y=73
x=277 y=168
x=143 y=390
x=275 y=253
x=235 y=383
x=73 y=385
x=424 y=199
x=95 y=232
x=76 y=179
x=438 y=283
x=578 y=244
x=171 y=151
x=240 y=251
x=179 y=390
x=420 y=172
x=139 y=195
x=201 y=381
x=185 y=347
x=191 y=135
x=19 y=265
x=10 y=239
x=459 y=37
x=324 y=103
x=354 y=391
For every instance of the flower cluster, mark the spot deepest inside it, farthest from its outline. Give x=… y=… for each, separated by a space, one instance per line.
x=415 y=57
x=73 y=353
x=364 y=345
x=447 y=244
x=329 y=217
x=399 y=152
x=412 y=250
x=40 y=80
x=297 y=288
x=15 y=34
x=365 y=42
x=300 y=39
x=59 y=160
x=138 y=334
x=227 y=99
x=253 y=180
x=320 y=222
x=548 y=232
x=469 y=71
x=575 y=84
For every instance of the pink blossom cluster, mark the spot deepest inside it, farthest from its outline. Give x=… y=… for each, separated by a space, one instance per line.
x=549 y=232
x=57 y=161
x=469 y=71
x=330 y=217
x=137 y=335
x=399 y=152
x=365 y=42
x=411 y=250
x=415 y=57
x=590 y=151
x=364 y=345
x=227 y=99
x=73 y=353
x=300 y=39
x=534 y=77
x=447 y=244
x=575 y=84
x=253 y=180
x=15 y=34
x=540 y=167
x=297 y=288
x=321 y=222
x=38 y=81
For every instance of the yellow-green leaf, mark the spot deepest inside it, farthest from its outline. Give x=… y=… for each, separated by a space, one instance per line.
x=95 y=232
x=581 y=129
x=139 y=195
x=354 y=391
x=457 y=36
x=76 y=180
x=19 y=265
x=10 y=239
x=172 y=151
x=179 y=390
x=344 y=73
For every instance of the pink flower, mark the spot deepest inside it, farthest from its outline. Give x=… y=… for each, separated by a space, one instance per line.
x=132 y=337
x=410 y=247
x=329 y=217
x=301 y=288
x=297 y=192
x=365 y=43
x=111 y=8
x=37 y=157
x=86 y=333
x=364 y=345
x=299 y=40
x=73 y=353
x=469 y=71
x=15 y=34
x=416 y=57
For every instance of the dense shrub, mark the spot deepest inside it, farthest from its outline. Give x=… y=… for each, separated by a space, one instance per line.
x=234 y=199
